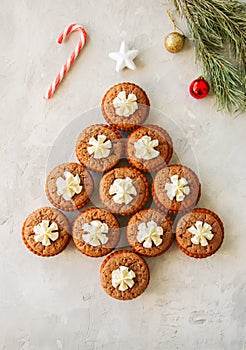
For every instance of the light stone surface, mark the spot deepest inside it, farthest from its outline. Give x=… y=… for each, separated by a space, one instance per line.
x=57 y=303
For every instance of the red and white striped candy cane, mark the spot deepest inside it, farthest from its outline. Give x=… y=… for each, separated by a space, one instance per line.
x=71 y=28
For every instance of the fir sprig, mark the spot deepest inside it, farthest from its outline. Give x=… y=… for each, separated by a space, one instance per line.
x=218 y=28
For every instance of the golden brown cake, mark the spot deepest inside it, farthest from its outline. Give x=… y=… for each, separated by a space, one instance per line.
x=176 y=189
x=150 y=232
x=123 y=190
x=149 y=148
x=124 y=275
x=96 y=232
x=45 y=232
x=99 y=147
x=199 y=233
x=69 y=186
x=125 y=106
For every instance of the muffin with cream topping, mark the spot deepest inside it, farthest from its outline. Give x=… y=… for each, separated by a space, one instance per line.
x=123 y=190
x=99 y=147
x=125 y=106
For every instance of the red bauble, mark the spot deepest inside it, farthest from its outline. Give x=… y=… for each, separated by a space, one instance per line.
x=199 y=88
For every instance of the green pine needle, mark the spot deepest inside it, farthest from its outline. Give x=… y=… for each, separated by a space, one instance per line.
x=218 y=28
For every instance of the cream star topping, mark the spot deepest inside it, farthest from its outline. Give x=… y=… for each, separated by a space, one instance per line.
x=125 y=106
x=178 y=188
x=124 y=57
x=149 y=233
x=202 y=232
x=100 y=147
x=123 y=278
x=96 y=233
x=46 y=232
x=145 y=148
x=122 y=190
x=69 y=186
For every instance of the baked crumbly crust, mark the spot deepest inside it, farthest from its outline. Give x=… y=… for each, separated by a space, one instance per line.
x=79 y=200
x=140 y=183
x=53 y=215
x=134 y=120
x=134 y=262
x=183 y=236
x=103 y=164
x=165 y=148
x=161 y=220
x=105 y=217
x=160 y=194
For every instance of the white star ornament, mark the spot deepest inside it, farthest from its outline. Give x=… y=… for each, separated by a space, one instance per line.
x=124 y=58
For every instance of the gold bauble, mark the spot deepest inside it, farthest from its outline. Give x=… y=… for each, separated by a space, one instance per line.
x=174 y=42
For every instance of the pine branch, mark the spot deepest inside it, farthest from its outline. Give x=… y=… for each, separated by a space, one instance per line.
x=218 y=28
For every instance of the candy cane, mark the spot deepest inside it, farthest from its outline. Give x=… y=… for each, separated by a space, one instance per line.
x=71 y=28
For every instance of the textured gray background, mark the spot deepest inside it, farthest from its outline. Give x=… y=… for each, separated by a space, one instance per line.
x=58 y=303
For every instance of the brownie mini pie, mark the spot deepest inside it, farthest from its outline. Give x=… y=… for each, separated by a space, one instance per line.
x=96 y=232
x=125 y=106
x=69 y=186
x=176 y=189
x=99 y=147
x=124 y=275
x=149 y=148
x=123 y=190
x=149 y=232
x=199 y=233
x=45 y=232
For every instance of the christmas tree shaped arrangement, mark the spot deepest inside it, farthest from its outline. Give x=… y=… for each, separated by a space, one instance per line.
x=124 y=191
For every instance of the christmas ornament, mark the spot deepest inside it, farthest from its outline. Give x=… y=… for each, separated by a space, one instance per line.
x=174 y=41
x=124 y=58
x=199 y=88
x=218 y=29
x=67 y=31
